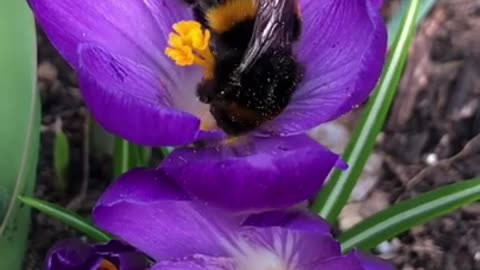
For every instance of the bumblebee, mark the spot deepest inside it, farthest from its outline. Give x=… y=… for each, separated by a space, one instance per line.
x=254 y=71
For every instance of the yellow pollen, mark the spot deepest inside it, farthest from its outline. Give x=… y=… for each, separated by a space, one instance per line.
x=207 y=122
x=188 y=45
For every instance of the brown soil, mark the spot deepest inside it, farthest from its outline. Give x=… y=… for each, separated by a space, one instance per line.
x=433 y=135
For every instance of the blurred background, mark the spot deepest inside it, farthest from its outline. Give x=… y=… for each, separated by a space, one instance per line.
x=432 y=138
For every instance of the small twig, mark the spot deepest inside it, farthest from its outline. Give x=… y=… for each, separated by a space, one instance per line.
x=471 y=147
x=396 y=168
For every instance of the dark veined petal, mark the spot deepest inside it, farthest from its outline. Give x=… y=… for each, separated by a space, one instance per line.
x=147 y=210
x=294 y=219
x=342 y=49
x=134 y=29
x=252 y=174
x=197 y=262
x=70 y=255
x=126 y=98
x=371 y=262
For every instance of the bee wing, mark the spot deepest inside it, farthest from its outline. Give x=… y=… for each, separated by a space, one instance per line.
x=274 y=27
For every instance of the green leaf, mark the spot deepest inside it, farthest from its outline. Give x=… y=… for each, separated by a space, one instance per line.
x=20 y=129
x=68 y=217
x=127 y=156
x=61 y=159
x=407 y=214
x=395 y=23
x=337 y=191
x=101 y=142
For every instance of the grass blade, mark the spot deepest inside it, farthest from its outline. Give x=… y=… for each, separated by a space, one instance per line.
x=337 y=191
x=407 y=214
x=61 y=159
x=20 y=129
x=68 y=217
x=127 y=156
x=395 y=23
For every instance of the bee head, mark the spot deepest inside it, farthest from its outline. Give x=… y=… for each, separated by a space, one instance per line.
x=233 y=118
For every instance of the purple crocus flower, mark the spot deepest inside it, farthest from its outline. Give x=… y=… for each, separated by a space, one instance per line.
x=76 y=255
x=135 y=91
x=149 y=211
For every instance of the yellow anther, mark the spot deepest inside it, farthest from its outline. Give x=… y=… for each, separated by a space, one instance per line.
x=185 y=27
x=183 y=55
x=189 y=45
x=174 y=40
x=200 y=40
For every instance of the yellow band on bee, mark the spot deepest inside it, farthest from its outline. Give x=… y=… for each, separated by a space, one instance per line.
x=225 y=16
x=189 y=45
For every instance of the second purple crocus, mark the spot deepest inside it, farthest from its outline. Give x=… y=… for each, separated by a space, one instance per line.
x=149 y=211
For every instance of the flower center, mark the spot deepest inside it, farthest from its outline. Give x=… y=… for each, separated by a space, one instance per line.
x=259 y=259
x=189 y=45
x=106 y=265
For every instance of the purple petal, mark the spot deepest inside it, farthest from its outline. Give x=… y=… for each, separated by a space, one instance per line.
x=112 y=247
x=348 y=262
x=127 y=99
x=294 y=249
x=253 y=173
x=142 y=186
x=134 y=29
x=378 y=3
x=121 y=254
x=342 y=49
x=148 y=212
x=77 y=255
x=70 y=255
x=371 y=262
x=132 y=261
x=292 y=220
x=196 y=262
